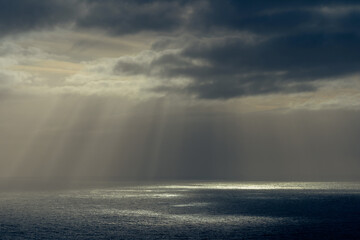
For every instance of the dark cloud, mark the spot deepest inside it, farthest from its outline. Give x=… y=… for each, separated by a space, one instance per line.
x=19 y=16
x=233 y=48
x=124 y=17
x=237 y=69
x=202 y=16
x=231 y=67
x=277 y=17
x=288 y=46
x=115 y=17
x=206 y=16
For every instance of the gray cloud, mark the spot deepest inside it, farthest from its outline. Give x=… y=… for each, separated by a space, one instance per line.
x=277 y=17
x=198 y=17
x=115 y=17
x=238 y=69
x=208 y=16
x=19 y=16
x=232 y=48
x=289 y=46
x=124 y=17
x=231 y=67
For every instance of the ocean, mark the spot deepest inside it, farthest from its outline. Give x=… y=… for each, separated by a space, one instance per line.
x=182 y=210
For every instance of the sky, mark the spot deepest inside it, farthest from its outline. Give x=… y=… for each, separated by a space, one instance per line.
x=202 y=89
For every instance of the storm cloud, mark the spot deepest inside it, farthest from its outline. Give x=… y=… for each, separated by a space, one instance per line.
x=199 y=17
x=233 y=49
x=22 y=16
x=282 y=48
x=232 y=67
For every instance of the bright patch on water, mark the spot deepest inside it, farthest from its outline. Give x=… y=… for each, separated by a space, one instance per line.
x=200 y=210
x=268 y=186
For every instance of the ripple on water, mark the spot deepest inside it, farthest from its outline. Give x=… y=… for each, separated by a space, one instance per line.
x=184 y=210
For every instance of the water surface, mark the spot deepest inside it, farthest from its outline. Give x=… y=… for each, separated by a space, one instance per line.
x=183 y=210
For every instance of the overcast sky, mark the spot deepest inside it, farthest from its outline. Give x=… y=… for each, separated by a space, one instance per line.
x=207 y=89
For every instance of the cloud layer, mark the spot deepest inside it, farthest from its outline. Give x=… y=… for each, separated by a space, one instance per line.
x=213 y=49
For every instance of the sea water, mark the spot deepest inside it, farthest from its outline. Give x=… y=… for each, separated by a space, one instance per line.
x=183 y=210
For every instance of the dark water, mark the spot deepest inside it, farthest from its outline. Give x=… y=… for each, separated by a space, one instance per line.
x=184 y=211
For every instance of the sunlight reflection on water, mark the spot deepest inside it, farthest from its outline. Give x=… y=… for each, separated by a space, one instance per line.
x=266 y=185
x=173 y=219
x=184 y=210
